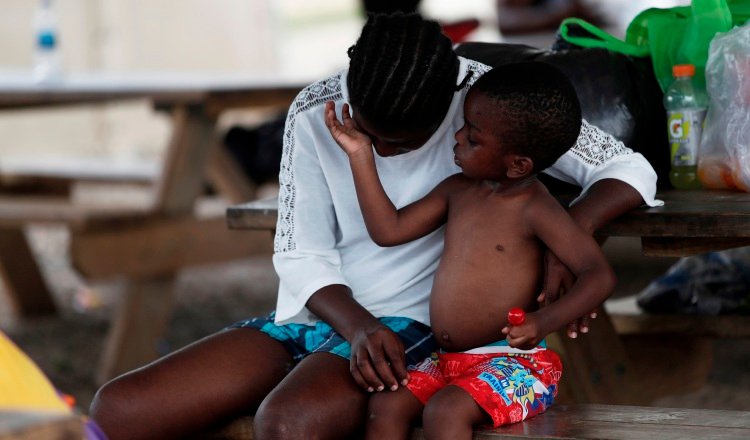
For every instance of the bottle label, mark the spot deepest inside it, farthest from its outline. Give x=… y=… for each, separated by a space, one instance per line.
x=46 y=40
x=685 y=128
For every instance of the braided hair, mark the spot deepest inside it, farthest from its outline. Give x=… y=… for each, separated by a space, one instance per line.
x=390 y=6
x=402 y=72
x=537 y=107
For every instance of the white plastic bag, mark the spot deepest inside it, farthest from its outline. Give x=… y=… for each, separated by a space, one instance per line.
x=724 y=157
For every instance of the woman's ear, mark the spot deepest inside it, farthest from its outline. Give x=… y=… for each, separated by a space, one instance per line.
x=519 y=166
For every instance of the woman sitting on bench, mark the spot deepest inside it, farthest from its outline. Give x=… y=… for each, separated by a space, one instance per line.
x=347 y=307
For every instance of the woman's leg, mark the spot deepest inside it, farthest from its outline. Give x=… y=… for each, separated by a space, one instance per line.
x=452 y=414
x=390 y=414
x=222 y=376
x=317 y=400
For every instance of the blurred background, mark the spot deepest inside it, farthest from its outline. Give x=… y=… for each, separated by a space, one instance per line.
x=229 y=38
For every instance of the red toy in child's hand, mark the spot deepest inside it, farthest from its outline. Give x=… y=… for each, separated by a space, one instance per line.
x=516 y=316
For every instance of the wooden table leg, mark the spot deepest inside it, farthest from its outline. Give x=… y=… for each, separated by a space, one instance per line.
x=140 y=323
x=26 y=288
x=142 y=318
x=228 y=177
x=596 y=368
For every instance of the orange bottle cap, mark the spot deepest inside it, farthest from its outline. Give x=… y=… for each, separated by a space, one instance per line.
x=683 y=70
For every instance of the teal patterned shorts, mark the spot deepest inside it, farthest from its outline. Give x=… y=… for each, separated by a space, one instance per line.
x=300 y=339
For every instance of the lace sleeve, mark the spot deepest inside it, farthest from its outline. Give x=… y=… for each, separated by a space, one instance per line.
x=598 y=155
x=312 y=96
x=595 y=147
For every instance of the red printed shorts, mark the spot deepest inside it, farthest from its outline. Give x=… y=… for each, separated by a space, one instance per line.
x=510 y=387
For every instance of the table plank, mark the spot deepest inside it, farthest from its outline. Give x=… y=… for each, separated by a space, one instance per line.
x=685 y=214
x=614 y=422
x=626 y=423
x=258 y=214
x=724 y=326
x=19 y=90
x=35 y=425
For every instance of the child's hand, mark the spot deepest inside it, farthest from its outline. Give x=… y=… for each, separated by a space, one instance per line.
x=526 y=335
x=347 y=134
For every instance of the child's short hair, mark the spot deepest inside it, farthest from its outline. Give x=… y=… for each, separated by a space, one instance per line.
x=540 y=116
x=402 y=72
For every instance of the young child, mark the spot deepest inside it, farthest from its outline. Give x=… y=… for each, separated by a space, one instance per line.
x=519 y=119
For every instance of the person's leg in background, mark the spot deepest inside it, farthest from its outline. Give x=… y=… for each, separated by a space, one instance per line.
x=707 y=284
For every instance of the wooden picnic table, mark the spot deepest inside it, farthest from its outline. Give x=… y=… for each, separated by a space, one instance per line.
x=146 y=245
x=597 y=367
x=690 y=222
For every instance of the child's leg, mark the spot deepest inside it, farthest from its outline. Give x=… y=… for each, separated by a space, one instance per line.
x=223 y=376
x=508 y=388
x=452 y=414
x=391 y=414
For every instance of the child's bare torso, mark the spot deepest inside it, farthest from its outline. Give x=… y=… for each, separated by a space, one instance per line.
x=491 y=263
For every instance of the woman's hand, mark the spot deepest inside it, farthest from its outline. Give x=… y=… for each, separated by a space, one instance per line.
x=378 y=359
x=347 y=134
x=557 y=281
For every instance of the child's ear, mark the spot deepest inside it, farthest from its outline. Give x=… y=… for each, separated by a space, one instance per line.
x=520 y=166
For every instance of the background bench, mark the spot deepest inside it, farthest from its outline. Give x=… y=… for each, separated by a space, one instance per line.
x=145 y=245
x=37 y=425
x=58 y=175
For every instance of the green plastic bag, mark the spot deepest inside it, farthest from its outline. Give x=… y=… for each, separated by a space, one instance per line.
x=679 y=35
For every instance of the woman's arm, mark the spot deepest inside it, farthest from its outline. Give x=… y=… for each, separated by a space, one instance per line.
x=598 y=156
x=606 y=200
x=614 y=180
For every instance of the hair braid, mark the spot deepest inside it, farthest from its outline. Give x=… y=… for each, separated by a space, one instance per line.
x=412 y=73
x=402 y=73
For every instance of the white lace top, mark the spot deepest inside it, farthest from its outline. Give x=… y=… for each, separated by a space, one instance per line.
x=321 y=237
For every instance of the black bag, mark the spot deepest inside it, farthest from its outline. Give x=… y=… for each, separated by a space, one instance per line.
x=618 y=93
x=258 y=149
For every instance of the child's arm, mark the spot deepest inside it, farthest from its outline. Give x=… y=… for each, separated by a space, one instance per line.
x=386 y=225
x=594 y=281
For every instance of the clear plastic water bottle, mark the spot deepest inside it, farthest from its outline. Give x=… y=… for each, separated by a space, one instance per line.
x=46 y=43
x=686 y=107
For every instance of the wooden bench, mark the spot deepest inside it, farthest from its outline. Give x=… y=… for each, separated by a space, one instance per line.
x=58 y=175
x=38 y=190
x=37 y=425
x=614 y=422
x=629 y=321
